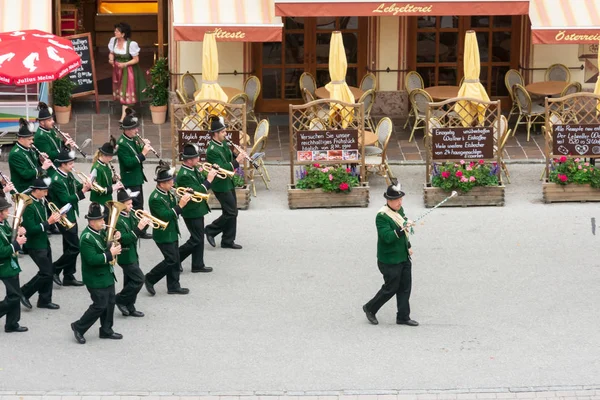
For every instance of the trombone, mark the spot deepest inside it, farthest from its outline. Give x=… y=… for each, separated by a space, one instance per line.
x=197 y=197
x=95 y=186
x=222 y=173
x=64 y=221
x=156 y=223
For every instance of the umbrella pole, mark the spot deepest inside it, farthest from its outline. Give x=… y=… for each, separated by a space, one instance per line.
x=26 y=104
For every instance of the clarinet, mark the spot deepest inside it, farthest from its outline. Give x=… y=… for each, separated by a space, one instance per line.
x=8 y=182
x=116 y=176
x=39 y=153
x=66 y=137
x=240 y=150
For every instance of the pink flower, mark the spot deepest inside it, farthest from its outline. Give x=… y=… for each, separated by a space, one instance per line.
x=472 y=179
x=459 y=174
x=577 y=160
x=147 y=72
x=481 y=162
x=579 y=167
x=463 y=179
x=456 y=165
x=469 y=168
x=326 y=169
x=587 y=164
x=446 y=174
x=317 y=165
x=330 y=177
x=348 y=170
x=563 y=159
x=462 y=162
x=344 y=186
x=562 y=178
x=585 y=170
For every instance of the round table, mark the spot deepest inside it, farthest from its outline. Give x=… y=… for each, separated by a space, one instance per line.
x=546 y=88
x=323 y=93
x=443 y=92
x=370 y=138
x=229 y=91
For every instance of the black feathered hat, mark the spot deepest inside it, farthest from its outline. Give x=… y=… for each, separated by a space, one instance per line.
x=217 y=124
x=164 y=172
x=131 y=120
x=65 y=156
x=394 y=191
x=109 y=147
x=41 y=183
x=45 y=112
x=190 y=151
x=96 y=211
x=26 y=128
x=4 y=204
x=125 y=194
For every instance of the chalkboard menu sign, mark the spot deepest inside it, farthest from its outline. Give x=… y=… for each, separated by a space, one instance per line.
x=333 y=145
x=201 y=139
x=462 y=143
x=576 y=139
x=84 y=77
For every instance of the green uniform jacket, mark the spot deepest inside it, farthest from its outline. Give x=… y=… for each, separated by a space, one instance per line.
x=35 y=221
x=24 y=167
x=219 y=153
x=48 y=142
x=391 y=248
x=127 y=225
x=130 y=161
x=190 y=178
x=164 y=207
x=95 y=257
x=9 y=262
x=66 y=189
x=104 y=178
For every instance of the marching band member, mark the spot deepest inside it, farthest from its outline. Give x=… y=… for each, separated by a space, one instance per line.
x=131 y=157
x=133 y=277
x=9 y=271
x=65 y=189
x=104 y=175
x=37 y=222
x=23 y=162
x=98 y=276
x=164 y=206
x=219 y=153
x=46 y=139
x=193 y=214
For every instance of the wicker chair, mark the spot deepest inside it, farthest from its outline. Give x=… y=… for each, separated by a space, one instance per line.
x=252 y=90
x=571 y=88
x=261 y=135
x=379 y=161
x=240 y=98
x=308 y=82
x=500 y=139
x=413 y=81
x=319 y=112
x=368 y=98
x=316 y=125
x=368 y=82
x=512 y=78
x=188 y=86
x=529 y=113
x=183 y=100
x=383 y=130
x=557 y=72
x=419 y=100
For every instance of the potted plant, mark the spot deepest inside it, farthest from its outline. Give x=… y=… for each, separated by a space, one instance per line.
x=242 y=191
x=572 y=179
x=61 y=94
x=327 y=186
x=158 y=90
x=477 y=183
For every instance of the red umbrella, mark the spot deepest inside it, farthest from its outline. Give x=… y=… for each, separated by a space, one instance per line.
x=33 y=56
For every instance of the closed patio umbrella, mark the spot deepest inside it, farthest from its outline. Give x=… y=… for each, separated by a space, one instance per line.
x=338 y=88
x=210 y=89
x=471 y=86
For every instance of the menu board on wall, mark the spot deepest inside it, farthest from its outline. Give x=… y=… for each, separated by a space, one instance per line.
x=84 y=77
x=201 y=140
x=462 y=143
x=332 y=145
x=576 y=139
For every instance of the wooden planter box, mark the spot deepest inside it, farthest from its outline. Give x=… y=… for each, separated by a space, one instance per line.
x=478 y=196
x=553 y=192
x=316 y=198
x=243 y=199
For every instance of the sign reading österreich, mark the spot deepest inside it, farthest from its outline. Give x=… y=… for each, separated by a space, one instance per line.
x=201 y=139
x=462 y=143
x=576 y=139
x=332 y=145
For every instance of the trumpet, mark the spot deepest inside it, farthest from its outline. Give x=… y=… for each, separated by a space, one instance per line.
x=156 y=223
x=222 y=173
x=41 y=156
x=66 y=137
x=239 y=149
x=197 y=197
x=64 y=221
x=95 y=186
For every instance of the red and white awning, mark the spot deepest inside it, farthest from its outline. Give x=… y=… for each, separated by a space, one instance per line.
x=25 y=14
x=230 y=20
x=565 y=21
x=377 y=8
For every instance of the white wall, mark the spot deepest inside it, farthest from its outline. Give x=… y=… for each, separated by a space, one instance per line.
x=387 y=53
x=545 y=55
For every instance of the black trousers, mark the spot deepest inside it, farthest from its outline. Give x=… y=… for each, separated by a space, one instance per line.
x=397 y=281
x=195 y=244
x=133 y=280
x=138 y=201
x=227 y=222
x=103 y=307
x=68 y=260
x=11 y=305
x=42 y=281
x=169 y=267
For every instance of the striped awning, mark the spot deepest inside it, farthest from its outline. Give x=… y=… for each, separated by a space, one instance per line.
x=565 y=21
x=377 y=8
x=230 y=20
x=25 y=14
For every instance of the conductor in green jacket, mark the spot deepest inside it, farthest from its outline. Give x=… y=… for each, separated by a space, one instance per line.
x=165 y=207
x=193 y=214
x=393 y=258
x=9 y=270
x=218 y=152
x=98 y=276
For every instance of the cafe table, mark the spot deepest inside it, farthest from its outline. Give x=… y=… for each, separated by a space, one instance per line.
x=441 y=93
x=229 y=91
x=546 y=88
x=323 y=93
x=370 y=138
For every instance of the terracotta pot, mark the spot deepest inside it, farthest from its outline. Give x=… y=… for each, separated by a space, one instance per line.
x=63 y=114
x=159 y=114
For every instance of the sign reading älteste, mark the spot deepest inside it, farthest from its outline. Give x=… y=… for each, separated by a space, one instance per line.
x=201 y=139
x=576 y=139
x=462 y=143
x=332 y=145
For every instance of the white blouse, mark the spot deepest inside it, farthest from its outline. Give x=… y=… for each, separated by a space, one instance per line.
x=134 y=49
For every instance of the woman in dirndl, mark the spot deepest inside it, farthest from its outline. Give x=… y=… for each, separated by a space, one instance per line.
x=128 y=79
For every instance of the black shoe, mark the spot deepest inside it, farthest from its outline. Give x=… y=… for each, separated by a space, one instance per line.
x=211 y=240
x=56 y=279
x=49 y=306
x=231 y=246
x=18 y=328
x=78 y=336
x=114 y=335
x=136 y=313
x=146 y=235
x=124 y=310
x=149 y=287
x=370 y=316
x=71 y=282
x=180 y=290
x=25 y=301
x=408 y=322
x=203 y=269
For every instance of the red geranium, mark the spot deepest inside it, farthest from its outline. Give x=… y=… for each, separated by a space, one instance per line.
x=563 y=178
x=481 y=162
x=348 y=170
x=344 y=186
x=446 y=174
x=459 y=174
x=563 y=159
x=317 y=165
